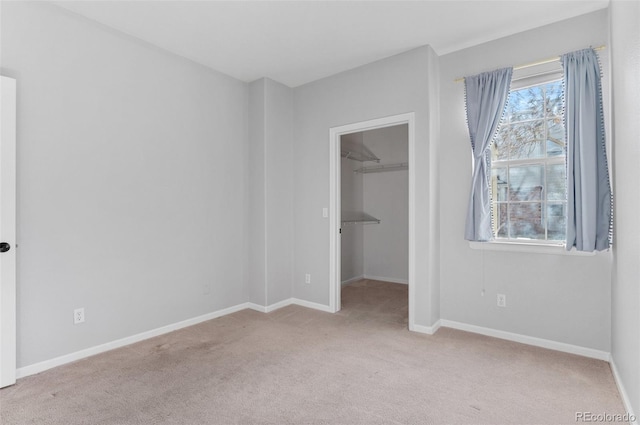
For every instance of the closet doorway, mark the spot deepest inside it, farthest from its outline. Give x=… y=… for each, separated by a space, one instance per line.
x=372 y=205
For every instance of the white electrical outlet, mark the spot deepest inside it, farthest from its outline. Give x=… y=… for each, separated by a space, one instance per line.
x=307 y=278
x=78 y=316
x=502 y=300
x=325 y=212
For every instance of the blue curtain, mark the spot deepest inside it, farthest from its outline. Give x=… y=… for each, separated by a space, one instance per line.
x=486 y=98
x=589 y=199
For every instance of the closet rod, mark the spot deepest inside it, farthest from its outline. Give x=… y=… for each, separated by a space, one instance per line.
x=383 y=167
x=541 y=62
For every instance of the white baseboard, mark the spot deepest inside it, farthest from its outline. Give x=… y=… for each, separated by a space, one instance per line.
x=386 y=279
x=269 y=308
x=623 y=392
x=383 y=279
x=257 y=307
x=312 y=305
x=530 y=340
x=87 y=352
x=353 y=279
x=289 y=301
x=429 y=330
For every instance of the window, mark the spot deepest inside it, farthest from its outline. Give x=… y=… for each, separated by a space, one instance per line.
x=528 y=181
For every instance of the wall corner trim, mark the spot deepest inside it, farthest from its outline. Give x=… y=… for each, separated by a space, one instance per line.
x=353 y=279
x=429 y=330
x=309 y=304
x=289 y=301
x=269 y=308
x=529 y=340
x=623 y=392
x=387 y=279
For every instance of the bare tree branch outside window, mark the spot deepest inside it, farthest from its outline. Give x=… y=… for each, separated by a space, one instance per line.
x=528 y=179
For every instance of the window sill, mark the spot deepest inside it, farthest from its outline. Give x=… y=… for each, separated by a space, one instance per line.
x=528 y=247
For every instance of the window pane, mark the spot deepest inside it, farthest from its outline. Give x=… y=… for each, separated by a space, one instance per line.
x=526 y=104
x=556 y=221
x=501 y=220
x=500 y=149
x=556 y=182
x=499 y=183
x=528 y=179
x=555 y=137
x=553 y=99
x=527 y=140
x=526 y=183
x=525 y=220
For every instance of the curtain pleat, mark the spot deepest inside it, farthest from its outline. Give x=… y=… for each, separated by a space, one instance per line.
x=589 y=198
x=486 y=98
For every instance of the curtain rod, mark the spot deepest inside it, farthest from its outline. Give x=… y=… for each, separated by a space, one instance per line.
x=541 y=62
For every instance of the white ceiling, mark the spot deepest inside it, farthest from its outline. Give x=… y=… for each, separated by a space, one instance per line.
x=295 y=42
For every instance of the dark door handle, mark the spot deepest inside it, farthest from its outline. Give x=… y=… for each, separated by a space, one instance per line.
x=4 y=247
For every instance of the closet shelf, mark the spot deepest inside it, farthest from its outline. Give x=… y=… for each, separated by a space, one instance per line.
x=358 y=217
x=359 y=156
x=357 y=151
x=383 y=168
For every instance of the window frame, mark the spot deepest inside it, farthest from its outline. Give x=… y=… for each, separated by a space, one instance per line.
x=518 y=83
x=528 y=247
x=523 y=78
x=532 y=161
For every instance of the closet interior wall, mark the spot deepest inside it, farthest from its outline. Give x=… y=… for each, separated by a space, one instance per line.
x=377 y=251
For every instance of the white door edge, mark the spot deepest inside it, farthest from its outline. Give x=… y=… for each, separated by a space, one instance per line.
x=8 y=231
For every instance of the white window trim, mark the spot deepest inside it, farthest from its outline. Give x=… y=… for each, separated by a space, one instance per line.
x=528 y=246
x=554 y=160
x=527 y=78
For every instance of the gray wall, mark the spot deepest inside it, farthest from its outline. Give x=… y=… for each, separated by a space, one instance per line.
x=270 y=188
x=386 y=197
x=130 y=183
x=256 y=236
x=625 y=302
x=279 y=190
x=432 y=259
x=555 y=297
x=395 y=85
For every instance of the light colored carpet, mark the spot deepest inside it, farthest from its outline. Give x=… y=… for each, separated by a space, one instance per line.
x=301 y=366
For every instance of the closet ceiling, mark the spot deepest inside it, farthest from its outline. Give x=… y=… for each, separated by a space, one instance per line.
x=297 y=42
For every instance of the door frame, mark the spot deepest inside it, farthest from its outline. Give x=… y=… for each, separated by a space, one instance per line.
x=335 y=278
x=8 y=231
